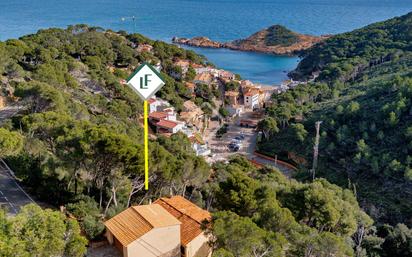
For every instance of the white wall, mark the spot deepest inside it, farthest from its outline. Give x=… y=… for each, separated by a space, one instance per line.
x=177 y=128
x=200 y=242
x=156 y=242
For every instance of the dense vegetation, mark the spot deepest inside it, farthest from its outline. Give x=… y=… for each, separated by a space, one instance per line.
x=81 y=129
x=262 y=213
x=346 y=56
x=363 y=97
x=79 y=140
x=37 y=232
x=280 y=35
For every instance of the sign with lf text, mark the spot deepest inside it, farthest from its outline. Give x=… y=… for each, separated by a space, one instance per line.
x=146 y=81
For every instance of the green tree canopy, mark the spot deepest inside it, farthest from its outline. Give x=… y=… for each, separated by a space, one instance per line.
x=37 y=232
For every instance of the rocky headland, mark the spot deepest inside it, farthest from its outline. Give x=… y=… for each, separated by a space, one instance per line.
x=273 y=40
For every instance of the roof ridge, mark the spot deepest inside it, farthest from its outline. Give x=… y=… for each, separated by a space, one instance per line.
x=162 y=199
x=138 y=213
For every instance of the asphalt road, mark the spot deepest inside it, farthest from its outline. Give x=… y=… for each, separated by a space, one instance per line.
x=221 y=151
x=9 y=111
x=12 y=196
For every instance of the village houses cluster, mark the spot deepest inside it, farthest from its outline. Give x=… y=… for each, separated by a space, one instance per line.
x=248 y=96
x=164 y=119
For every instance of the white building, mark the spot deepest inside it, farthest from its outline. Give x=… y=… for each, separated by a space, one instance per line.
x=251 y=99
x=168 y=126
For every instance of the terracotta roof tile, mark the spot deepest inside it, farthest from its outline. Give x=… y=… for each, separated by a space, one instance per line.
x=158 y=115
x=252 y=92
x=188 y=213
x=156 y=215
x=151 y=100
x=205 y=77
x=166 y=124
x=190 y=85
x=128 y=226
x=136 y=221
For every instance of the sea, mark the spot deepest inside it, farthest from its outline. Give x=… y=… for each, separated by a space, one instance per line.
x=221 y=20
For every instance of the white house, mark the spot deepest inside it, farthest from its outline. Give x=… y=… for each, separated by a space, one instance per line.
x=168 y=126
x=251 y=99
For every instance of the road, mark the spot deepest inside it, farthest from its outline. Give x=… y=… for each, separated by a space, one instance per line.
x=221 y=151
x=262 y=161
x=12 y=196
x=9 y=111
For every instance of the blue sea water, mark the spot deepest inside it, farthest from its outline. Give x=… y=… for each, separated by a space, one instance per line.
x=221 y=20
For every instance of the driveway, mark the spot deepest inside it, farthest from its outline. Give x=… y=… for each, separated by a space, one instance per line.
x=12 y=196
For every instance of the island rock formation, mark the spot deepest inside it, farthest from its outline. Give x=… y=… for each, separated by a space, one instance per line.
x=273 y=40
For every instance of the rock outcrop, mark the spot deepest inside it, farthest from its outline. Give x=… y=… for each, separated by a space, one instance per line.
x=273 y=40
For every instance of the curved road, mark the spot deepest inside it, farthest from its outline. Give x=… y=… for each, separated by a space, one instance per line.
x=12 y=196
x=221 y=152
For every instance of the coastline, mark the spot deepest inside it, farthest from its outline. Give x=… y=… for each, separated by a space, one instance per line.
x=276 y=40
x=225 y=46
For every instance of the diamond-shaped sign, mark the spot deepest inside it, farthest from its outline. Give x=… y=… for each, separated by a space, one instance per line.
x=145 y=81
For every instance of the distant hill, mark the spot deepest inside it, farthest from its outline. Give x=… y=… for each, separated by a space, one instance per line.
x=363 y=97
x=276 y=39
x=346 y=55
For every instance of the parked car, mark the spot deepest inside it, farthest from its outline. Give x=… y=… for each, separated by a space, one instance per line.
x=234 y=146
x=248 y=123
x=240 y=137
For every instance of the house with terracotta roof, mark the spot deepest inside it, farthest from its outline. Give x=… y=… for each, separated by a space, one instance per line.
x=144 y=48
x=203 y=78
x=155 y=117
x=160 y=105
x=226 y=75
x=192 y=114
x=251 y=98
x=194 y=241
x=153 y=104
x=191 y=87
x=168 y=126
x=170 y=227
x=183 y=64
x=199 y=146
x=145 y=231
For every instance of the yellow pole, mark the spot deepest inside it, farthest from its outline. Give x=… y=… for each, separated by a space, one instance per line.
x=146 y=147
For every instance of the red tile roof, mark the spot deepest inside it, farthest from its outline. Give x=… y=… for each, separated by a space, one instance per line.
x=151 y=100
x=252 y=92
x=136 y=221
x=188 y=213
x=166 y=124
x=158 y=115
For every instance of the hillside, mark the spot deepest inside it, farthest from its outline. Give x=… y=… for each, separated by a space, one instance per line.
x=363 y=97
x=78 y=143
x=273 y=40
x=81 y=127
x=346 y=55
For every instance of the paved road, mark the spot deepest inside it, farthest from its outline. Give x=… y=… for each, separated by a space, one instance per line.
x=12 y=196
x=9 y=111
x=285 y=170
x=220 y=146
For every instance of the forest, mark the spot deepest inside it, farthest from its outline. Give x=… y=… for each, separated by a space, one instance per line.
x=362 y=97
x=78 y=144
